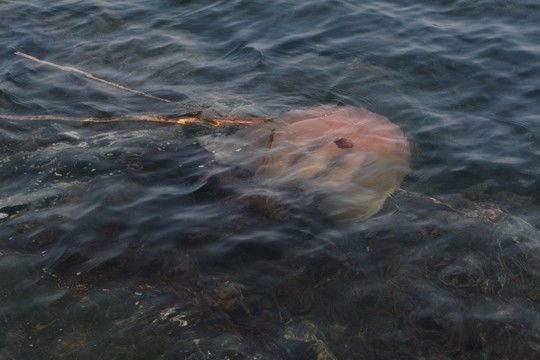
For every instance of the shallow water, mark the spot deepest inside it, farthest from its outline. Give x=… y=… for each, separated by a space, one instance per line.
x=130 y=241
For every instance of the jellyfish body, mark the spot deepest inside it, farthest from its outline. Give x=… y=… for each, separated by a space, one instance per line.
x=345 y=160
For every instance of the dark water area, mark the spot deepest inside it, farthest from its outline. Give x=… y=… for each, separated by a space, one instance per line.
x=128 y=240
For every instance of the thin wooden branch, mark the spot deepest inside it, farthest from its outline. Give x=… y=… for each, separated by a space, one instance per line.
x=185 y=119
x=90 y=76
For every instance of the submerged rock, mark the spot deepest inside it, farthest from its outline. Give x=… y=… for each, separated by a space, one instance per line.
x=308 y=332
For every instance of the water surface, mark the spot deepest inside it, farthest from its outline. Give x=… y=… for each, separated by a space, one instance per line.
x=130 y=241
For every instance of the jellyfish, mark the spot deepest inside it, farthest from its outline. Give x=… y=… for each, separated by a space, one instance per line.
x=344 y=160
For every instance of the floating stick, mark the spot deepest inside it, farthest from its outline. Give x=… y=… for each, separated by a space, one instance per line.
x=90 y=76
x=193 y=118
x=185 y=119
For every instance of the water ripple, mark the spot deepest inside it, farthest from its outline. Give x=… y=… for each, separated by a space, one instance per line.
x=122 y=239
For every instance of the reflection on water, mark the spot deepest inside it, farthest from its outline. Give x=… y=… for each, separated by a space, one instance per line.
x=130 y=240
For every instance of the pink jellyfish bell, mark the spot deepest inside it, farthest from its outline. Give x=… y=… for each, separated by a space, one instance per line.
x=345 y=160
